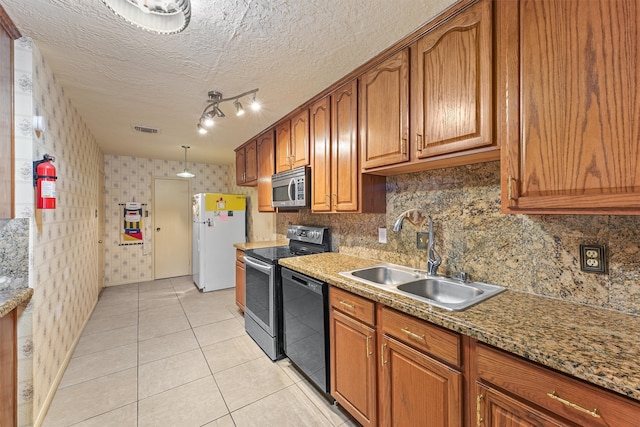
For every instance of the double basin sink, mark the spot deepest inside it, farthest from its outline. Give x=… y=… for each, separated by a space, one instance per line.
x=443 y=292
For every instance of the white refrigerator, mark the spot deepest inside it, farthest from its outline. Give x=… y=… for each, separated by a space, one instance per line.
x=218 y=223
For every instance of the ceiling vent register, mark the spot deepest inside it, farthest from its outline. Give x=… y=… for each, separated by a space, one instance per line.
x=145 y=129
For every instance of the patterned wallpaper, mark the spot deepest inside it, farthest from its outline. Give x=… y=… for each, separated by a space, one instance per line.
x=531 y=253
x=64 y=241
x=131 y=178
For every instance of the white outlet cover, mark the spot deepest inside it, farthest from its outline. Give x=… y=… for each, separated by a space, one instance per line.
x=382 y=235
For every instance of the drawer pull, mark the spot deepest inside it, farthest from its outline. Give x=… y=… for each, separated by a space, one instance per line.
x=346 y=304
x=414 y=335
x=382 y=355
x=479 y=419
x=555 y=396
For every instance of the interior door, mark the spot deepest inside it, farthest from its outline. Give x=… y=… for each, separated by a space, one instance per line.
x=171 y=227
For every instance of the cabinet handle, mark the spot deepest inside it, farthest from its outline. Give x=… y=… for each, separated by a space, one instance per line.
x=335 y=199
x=369 y=353
x=555 y=396
x=509 y=187
x=413 y=335
x=382 y=355
x=328 y=197
x=403 y=146
x=479 y=419
x=346 y=304
x=419 y=142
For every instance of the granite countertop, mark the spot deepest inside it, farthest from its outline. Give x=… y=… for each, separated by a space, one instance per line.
x=256 y=245
x=12 y=298
x=596 y=345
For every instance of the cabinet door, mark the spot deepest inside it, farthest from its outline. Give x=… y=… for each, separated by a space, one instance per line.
x=240 y=165
x=494 y=409
x=283 y=146
x=8 y=369
x=320 y=136
x=300 y=140
x=345 y=173
x=384 y=112
x=417 y=390
x=353 y=367
x=266 y=168
x=452 y=85
x=240 y=286
x=251 y=162
x=568 y=88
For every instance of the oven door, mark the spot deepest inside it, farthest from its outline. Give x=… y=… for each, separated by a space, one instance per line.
x=259 y=293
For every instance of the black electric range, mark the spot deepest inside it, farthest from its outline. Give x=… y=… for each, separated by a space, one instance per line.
x=263 y=285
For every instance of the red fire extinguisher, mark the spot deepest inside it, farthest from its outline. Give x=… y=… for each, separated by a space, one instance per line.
x=44 y=179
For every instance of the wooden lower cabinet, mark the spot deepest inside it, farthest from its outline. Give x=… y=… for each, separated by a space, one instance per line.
x=353 y=355
x=496 y=409
x=512 y=391
x=417 y=390
x=8 y=369
x=240 y=286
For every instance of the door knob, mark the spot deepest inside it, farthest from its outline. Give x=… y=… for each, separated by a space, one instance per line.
x=99 y=241
x=158 y=229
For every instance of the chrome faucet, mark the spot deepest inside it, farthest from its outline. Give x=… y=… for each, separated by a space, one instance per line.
x=433 y=258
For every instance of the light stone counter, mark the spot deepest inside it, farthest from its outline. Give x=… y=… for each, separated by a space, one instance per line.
x=12 y=298
x=596 y=345
x=256 y=245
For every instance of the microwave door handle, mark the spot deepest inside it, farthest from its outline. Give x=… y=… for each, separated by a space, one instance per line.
x=292 y=186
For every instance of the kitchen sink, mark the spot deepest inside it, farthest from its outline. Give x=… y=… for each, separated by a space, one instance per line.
x=443 y=292
x=385 y=275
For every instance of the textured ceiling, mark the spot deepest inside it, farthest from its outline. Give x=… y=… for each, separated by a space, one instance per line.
x=117 y=75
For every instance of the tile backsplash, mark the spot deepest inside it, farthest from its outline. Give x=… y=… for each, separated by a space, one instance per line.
x=531 y=253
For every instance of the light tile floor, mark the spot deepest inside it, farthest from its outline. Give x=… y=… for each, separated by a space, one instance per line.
x=162 y=353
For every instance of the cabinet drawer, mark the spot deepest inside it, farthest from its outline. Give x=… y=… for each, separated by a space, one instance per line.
x=239 y=255
x=437 y=342
x=573 y=399
x=353 y=305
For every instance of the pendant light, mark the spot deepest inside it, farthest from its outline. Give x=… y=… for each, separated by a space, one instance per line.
x=185 y=173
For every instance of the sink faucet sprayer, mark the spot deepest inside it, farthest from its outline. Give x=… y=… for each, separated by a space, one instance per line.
x=413 y=215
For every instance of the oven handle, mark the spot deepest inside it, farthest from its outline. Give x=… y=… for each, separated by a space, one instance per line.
x=264 y=268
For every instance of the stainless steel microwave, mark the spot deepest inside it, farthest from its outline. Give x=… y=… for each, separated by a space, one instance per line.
x=291 y=189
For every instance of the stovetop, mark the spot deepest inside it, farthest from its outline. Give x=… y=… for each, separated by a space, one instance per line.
x=303 y=241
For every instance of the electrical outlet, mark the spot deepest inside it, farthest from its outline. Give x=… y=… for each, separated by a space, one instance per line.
x=422 y=240
x=382 y=235
x=593 y=258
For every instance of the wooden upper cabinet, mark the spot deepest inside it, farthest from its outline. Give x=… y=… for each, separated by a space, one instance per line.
x=337 y=185
x=567 y=103
x=247 y=164
x=320 y=138
x=345 y=173
x=292 y=142
x=283 y=146
x=384 y=112
x=266 y=168
x=300 y=139
x=452 y=85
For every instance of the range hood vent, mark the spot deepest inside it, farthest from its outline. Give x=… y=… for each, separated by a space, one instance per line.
x=145 y=129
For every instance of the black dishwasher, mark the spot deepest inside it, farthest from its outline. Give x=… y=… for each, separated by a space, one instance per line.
x=305 y=305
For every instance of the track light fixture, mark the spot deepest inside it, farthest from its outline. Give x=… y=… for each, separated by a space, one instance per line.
x=212 y=109
x=185 y=173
